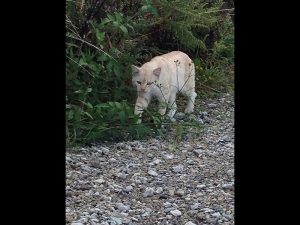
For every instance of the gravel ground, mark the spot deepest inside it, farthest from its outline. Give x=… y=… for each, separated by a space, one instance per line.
x=161 y=180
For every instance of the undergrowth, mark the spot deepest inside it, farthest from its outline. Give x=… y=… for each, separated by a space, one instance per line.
x=104 y=38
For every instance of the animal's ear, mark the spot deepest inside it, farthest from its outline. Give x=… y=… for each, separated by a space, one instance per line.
x=135 y=70
x=156 y=72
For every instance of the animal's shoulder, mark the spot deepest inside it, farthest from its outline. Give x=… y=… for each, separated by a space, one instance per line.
x=172 y=56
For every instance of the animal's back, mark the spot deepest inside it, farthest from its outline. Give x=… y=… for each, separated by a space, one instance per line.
x=173 y=56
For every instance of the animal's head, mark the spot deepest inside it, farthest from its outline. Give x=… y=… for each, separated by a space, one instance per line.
x=144 y=79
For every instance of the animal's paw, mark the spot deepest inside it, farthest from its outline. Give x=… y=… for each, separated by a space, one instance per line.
x=189 y=110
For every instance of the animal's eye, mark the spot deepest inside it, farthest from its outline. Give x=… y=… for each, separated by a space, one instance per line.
x=149 y=83
x=139 y=82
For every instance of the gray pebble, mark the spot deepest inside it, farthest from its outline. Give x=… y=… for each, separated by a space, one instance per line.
x=159 y=190
x=148 y=192
x=175 y=212
x=152 y=172
x=195 y=206
x=190 y=223
x=128 y=188
x=178 y=168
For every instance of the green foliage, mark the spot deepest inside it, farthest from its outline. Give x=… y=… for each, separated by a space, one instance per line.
x=106 y=121
x=104 y=38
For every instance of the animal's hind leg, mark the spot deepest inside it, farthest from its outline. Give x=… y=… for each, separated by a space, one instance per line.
x=191 y=101
x=189 y=89
x=172 y=105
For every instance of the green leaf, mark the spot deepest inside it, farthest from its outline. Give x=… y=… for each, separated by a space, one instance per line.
x=78 y=91
x=149 y=8
x=89 y=105
x=82 y=62
x=118 y=105
x=117 y=69
x=119 y=18
x=70 y=114
x=111 y=17
x=124 y=29
x=89 y=115
x=105 y=21
x=122 y=117
x=102 y=58
x=100 y=36
x=145 y=8
x=153 y=11
x=116 y=24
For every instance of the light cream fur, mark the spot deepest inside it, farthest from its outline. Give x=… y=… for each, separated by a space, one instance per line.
x=163 y=77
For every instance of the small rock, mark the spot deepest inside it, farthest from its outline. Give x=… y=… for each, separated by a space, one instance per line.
x=171 y=192
x=203 y=115
x=190 y=162
x=100 y=181
x=148 y=192
x=150 y=155
x=201 y=216
x=200 y=121
x=227 y=186
x=128 y=188
x=217 y=214
x=146 y=214
x=179 y=116
x=77 y=223
x=154 y=162
x=68 y=159
x=195 y=206
x=190 y=223
x=106 y=198
x=105 y=150
x=207 y=210
x=179 y=192
x=201 y=186
x=159 y=190
x=121 y=176
x=122 y=207
x=83 y=220
x=212 y=105
x=116 y=220
x=167 y=204
x=134 y=219
x=169 y=209
x=112 y=160
x=96 y=164
x=152 y=172
x=230 y=172
x=126 y=221
x=167 y=156
x=178 y=168
x=176 y=212
x=93 y=216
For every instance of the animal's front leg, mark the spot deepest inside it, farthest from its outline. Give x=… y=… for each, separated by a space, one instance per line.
x=141 y=104
x=163 y=103
x=162 y=108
